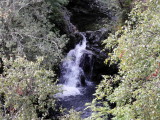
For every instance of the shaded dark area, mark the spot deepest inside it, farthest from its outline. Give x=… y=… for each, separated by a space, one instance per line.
x=95 y=39
x=87 y=12
x=1 y=66
x=87 y=65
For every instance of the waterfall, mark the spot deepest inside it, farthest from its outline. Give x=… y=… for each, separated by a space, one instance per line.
x=72 y=72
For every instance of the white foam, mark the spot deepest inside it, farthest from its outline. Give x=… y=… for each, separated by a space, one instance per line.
x=68 y=91
x=71 y=70
x=71 y=65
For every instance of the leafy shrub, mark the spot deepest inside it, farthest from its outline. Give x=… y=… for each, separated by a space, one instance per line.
x=135 y=90
x=25 y=29
x=27 y=90
x=72 y=115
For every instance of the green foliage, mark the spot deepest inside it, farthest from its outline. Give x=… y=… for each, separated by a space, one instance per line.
x=25 y=29
x=136 y=89
x=125 y=3
x=58 y=3
x=28 y=90
x=111 y=4
x=72 y=115
x=115 y=12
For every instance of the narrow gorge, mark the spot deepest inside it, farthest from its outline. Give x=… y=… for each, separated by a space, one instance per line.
x=87 y=23
x=79 y=60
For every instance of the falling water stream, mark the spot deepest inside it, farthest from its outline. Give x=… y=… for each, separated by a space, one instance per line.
x=76 y=81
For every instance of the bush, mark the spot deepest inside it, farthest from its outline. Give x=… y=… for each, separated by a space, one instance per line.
x=135 y=90
x=72 y=115
x=25 y=29
x=27 y=90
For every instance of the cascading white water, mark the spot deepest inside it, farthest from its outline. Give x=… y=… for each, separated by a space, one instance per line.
x=76 y=75
x=71 y=64
x=72 y=73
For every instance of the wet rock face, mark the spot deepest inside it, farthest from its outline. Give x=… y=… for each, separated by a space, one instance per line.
x=95 y=39
x=63 y=22
x=86 y=12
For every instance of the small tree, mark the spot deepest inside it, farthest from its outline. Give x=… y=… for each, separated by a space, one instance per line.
x=25 y=29
x=27 y=90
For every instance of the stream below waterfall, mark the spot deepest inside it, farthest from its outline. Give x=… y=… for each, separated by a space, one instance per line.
x=77 y=102
x=76 y=74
